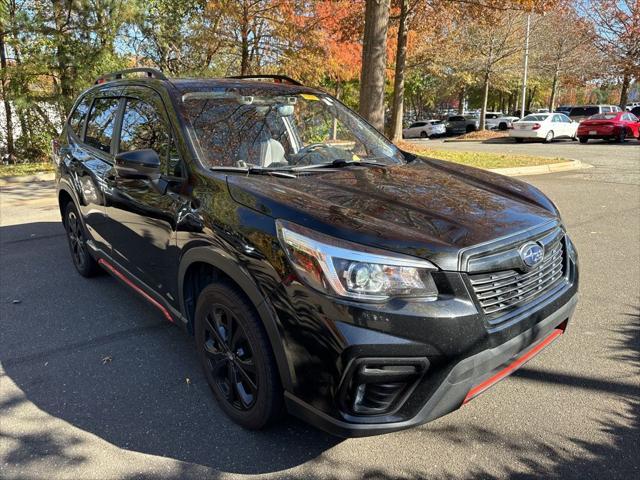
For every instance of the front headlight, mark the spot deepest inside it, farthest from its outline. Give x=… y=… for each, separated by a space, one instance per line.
x=346 y=269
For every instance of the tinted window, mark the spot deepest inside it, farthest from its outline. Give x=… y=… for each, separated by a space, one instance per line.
x=76 y=120
x=584 y=111
x=144 y=127
x=101 y=123
x=456 y=119
x=417 y=124
x=632 y=117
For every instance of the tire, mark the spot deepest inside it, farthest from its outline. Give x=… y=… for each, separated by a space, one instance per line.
x=549 y=137
x=84 y=262
x=622 y=135
x=583 y=139
x=503 y=126
x=519 y=140
x=470 y=128
x=423 y=134
x=232 y=343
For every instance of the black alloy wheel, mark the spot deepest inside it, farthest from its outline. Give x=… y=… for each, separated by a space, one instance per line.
x=236 y=357
x=83 y=261
x=231 y=360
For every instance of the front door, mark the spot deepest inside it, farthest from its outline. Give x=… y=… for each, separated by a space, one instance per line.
x=143 y=213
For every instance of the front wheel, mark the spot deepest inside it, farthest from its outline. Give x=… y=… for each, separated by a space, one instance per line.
x=622 y=136
x=236 y=356
x=423 y=134
x=83 y=261
x=548 y=137
x=583 y=139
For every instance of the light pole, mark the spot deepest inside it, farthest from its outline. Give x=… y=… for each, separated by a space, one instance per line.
x=526 y=66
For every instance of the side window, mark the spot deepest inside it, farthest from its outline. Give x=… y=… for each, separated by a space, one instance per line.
x=143 y=127
x=101 y=123
x=632 y=117
x=76 y=120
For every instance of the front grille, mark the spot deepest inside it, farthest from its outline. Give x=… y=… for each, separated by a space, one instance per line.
x=497 y=292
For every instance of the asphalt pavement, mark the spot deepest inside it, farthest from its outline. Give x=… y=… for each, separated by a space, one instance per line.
x=95 y=384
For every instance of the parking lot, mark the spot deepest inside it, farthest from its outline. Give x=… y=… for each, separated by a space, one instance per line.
x=95 y=384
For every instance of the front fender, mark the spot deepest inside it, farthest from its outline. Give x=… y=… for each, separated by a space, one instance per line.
x=230 y=266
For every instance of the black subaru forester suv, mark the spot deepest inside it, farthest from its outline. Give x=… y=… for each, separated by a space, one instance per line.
x=322 y=270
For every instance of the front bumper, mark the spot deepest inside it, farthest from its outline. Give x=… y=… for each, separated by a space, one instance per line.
x=468 y=378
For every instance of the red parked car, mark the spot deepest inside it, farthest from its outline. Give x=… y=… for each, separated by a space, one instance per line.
x=612 y=126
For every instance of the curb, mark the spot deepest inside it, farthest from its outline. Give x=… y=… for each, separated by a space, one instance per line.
x=38 y=177
x=542 y=169
x=470 y=140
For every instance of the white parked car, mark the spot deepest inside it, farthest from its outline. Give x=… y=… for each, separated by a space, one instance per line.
x=544 y=126
x=424 y=129
x=499 y=121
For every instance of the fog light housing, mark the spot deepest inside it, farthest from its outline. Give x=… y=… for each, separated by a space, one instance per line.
x=379 y=386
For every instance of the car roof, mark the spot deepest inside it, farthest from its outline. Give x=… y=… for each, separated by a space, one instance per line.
x=185 y=85
x=190 y=84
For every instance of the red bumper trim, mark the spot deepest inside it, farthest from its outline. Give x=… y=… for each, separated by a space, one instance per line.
x=512 y=367
x=114 y=271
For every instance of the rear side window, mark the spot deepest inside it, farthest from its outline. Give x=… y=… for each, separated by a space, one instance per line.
x=101 y=123
x=76 y=120
x=456 y=119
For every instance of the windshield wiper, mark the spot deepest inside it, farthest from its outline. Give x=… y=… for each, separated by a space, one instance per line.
x=255 y=171
x=338 y=163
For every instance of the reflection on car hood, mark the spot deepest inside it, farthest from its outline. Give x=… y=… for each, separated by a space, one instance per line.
x=426 y=208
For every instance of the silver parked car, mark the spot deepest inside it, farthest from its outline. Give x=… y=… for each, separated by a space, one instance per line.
x=462 y=124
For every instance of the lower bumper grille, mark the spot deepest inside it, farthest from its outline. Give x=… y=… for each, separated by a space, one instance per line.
x=497 y=292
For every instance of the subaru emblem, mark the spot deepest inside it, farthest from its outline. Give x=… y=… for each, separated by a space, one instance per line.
x=531 y=254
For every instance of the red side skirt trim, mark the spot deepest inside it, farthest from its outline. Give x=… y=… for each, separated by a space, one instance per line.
x=114 y=271
x=512 y=367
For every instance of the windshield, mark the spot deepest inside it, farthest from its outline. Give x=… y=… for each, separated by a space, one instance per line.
x=274 y=131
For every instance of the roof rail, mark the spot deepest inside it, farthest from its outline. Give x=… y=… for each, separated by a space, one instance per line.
x=275 y=78
x=151 y=73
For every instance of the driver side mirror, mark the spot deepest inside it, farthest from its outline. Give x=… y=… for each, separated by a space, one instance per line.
x=138 y=164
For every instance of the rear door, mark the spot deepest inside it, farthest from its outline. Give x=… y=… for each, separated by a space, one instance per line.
x=143 y=213
x=90 y=158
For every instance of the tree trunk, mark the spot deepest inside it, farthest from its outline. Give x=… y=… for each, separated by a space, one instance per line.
x=461 y=101
x=5 y=100
x=485 y=99
x=244 y=38
x=397 y=113
x=624 y=91
x=554 y=88
x=530 y=96
x=374 y=60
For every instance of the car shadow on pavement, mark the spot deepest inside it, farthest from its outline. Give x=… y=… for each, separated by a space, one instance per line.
x=94 y=354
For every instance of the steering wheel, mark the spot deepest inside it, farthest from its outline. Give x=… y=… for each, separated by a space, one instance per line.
x=312 y=148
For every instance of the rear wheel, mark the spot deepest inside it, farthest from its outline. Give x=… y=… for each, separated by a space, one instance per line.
x=502 y=126
x=519 y=140
x=470 y=128
x=583 y=139
x=423 y=134
x=548 y=137
x=237 y=358
x=83 y=261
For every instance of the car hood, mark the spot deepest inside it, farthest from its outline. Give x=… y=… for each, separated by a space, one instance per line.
x=428 y=208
